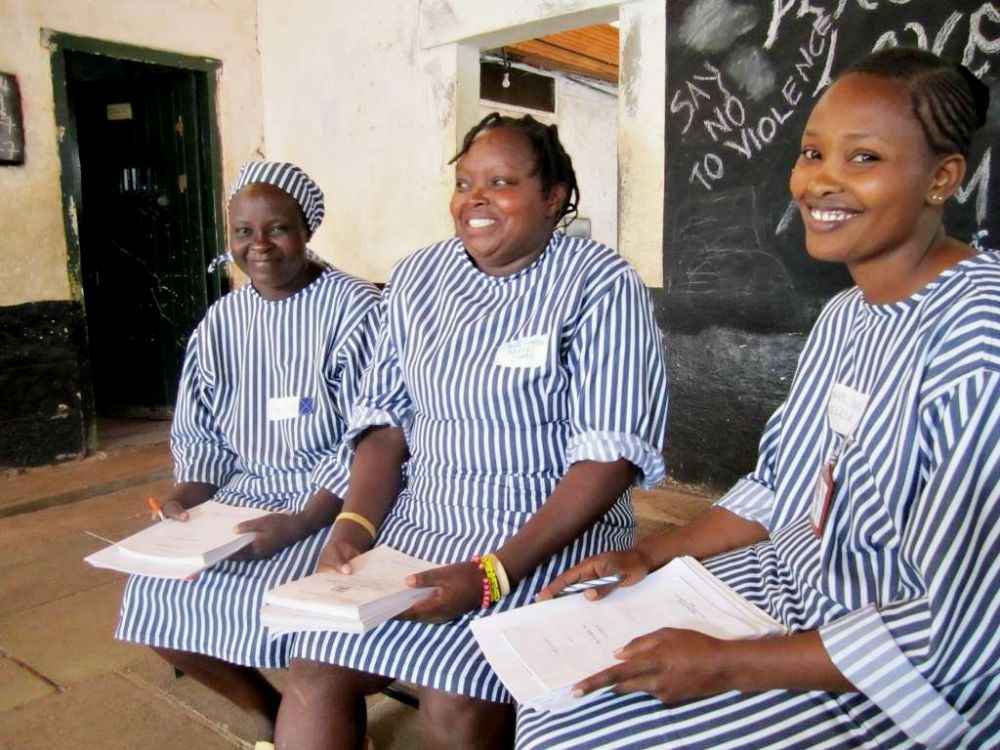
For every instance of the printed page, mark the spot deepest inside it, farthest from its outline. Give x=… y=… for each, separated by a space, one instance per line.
x=378 y=573
x=208 y=528
x=541 y=650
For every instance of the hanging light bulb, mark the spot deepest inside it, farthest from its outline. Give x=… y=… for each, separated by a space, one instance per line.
x=505 y=82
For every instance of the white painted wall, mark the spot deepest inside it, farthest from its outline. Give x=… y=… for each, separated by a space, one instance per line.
x=371 y=98
x=642 y=32
x=588 y=130
x=587 y=121
x=352 y=99
x=31 y=209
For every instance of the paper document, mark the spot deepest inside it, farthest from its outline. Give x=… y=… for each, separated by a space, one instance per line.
x=180 y=549
x=541 y=650
x=354 y=603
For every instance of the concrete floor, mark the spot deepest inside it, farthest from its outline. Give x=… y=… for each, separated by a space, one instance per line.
x=64 y=682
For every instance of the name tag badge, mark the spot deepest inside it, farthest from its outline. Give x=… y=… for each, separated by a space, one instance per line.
x=286 y=407
x=819 y=510
x=530 y=351
x=845 y=407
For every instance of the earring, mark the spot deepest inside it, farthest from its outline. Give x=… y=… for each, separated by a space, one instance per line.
x=937 y=198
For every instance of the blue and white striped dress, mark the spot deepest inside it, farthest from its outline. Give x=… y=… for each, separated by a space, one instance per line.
x=904 y=584
x=500 y=383
x=313 y=346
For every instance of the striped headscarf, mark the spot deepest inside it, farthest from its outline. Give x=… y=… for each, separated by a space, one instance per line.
x=289 y=178
x=286 y=177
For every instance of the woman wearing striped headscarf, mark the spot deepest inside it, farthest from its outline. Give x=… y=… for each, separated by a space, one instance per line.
x=268 y=380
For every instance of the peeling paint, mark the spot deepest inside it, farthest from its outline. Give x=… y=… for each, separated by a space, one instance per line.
x=438 y=12
x=443 y=87
x=631 y=60
x=73 y=220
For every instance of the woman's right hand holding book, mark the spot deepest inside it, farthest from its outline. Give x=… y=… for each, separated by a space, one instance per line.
x=183 y=496
x=347 y=541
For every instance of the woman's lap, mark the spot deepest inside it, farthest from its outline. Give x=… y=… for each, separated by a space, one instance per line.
x=217 y=614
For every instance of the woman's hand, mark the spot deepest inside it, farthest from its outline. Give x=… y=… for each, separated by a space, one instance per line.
x=458 y=589
x=186 y=495
x=173 y=509
x=631 y=565
x=347 y=541
x=272 y=533
x=670 y=664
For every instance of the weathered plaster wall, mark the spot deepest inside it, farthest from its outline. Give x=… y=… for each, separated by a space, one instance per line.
x=492 y=24
x=350 y=97
x=642 y=30
x=45 y=413
x=36 y=253
x=375 y=114
x=588 y=129
x=587 y=121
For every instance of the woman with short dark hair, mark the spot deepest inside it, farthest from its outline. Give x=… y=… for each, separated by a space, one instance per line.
x=519 y=380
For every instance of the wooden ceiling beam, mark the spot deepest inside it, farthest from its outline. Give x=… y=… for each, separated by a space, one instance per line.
x=590 y=51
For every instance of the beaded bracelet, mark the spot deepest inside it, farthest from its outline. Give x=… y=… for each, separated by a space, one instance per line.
x=358 y=519
x=496 y=584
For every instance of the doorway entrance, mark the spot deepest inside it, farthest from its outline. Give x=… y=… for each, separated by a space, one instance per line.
x=140 y=155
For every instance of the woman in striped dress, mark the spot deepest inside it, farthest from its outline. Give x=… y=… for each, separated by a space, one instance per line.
x=870 y=525
x=519 y=378
x=266 y=388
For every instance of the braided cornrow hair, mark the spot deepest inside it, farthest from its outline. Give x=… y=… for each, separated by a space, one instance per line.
x=552 y=164
x=949 y=102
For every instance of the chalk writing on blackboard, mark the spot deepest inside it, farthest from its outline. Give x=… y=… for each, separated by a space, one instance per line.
x=742 y=76
x=11 y=122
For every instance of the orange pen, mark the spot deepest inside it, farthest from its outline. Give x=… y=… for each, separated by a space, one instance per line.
x=156 y=510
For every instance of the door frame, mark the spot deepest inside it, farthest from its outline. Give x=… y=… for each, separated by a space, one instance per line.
x=69 y=157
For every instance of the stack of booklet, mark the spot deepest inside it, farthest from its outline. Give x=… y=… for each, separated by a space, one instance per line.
x=541 y=650
x=373 y=593
x=180 y=549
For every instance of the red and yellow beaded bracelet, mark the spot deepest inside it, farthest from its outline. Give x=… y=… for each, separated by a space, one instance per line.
x=496 y=585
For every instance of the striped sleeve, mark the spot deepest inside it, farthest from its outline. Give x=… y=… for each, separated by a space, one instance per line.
x=201 y=454
x=903 y=655
x=752 y=497
x=619 y=389
x=382 y=397
x=348 y=365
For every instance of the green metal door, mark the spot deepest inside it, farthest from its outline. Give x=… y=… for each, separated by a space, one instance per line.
x=145 y=224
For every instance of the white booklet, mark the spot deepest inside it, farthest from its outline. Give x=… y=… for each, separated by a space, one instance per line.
x=180 y=549
x=541 y=650
x=355 y=603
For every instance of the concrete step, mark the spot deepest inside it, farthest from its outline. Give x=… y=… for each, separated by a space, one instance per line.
x=100 y=474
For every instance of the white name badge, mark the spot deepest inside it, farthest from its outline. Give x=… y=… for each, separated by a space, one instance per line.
x=845 y=408
x=286 y=407
x=531 y=351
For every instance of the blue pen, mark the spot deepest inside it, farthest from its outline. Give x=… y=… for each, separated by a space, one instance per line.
x=576 y=588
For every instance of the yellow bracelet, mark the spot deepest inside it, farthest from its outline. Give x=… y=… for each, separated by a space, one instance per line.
x=358 y=519
x=501 y=573
x=491 y=578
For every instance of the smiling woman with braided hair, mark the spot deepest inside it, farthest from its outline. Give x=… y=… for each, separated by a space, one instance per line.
x=870 y=525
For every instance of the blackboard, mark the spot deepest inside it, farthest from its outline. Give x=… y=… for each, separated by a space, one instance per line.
x=742 y=76
x=11 y=122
